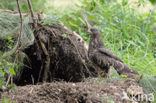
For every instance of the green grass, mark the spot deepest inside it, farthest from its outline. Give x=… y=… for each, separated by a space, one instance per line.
x=125 y=31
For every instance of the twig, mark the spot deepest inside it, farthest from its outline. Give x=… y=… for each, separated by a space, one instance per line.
x=32 y=13
x=87 y=23
x=21 y=27
x=18 y=42
x=8 y=80
x=10 y=75
x=47 y=63
x=34 y=20
x=21 y=23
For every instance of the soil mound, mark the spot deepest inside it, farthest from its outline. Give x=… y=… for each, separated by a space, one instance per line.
x=56 y=54
x=91 y=91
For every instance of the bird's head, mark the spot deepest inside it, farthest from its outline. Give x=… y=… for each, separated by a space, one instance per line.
x=94 y=31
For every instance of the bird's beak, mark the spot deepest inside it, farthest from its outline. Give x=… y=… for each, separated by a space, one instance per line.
x=89 y=32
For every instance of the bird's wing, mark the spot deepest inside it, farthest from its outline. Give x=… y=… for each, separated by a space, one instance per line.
x=109 y=53
x=102 y=62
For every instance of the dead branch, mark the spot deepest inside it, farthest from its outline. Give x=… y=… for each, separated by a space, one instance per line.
x=86 y=21
x=47 y=63
x=32 y=13
x=21 y=27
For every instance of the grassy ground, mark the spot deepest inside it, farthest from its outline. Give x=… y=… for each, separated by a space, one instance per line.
x=126 y=30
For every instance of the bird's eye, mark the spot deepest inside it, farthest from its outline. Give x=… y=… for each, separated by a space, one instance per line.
x=78 y=39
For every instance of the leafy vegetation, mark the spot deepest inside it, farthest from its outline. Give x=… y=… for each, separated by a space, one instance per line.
x=6 y=67
x=153 y=1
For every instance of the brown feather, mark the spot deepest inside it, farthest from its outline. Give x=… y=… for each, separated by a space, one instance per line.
x=109 y=53
x=103 y=57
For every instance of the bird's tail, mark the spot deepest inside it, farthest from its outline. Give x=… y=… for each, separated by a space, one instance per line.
x=123 y=68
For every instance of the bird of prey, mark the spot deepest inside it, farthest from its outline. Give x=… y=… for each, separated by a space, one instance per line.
x=103 y=58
